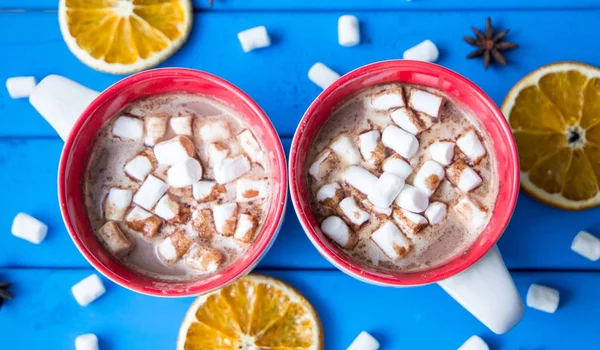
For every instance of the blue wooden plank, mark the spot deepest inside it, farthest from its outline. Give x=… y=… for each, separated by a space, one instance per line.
x=276 y=76
x=411 y=318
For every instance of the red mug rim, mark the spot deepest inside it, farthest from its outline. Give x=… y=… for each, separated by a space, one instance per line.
x=269 y=231
x=435 y=274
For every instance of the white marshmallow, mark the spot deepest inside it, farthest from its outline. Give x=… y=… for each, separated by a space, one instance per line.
x=543 y=298
x=251 y=147
x=474 y=343
x=348 y=30
x=425 y=102
x=172 y=248
x=150 y=192
x=412 y=199
x=174 y=150
x=463 y=176
x=322 y=75
x=315 y=167
x=181 y=125
x=360 y=178
x=254 y=38
x=391 y=240
x=128 y=128
x=353 y=212
x=364 y=341
x=409 y=222
x=385 y=190
x=114 y=239
x=345 y=149
x=248 y=190
x=116 y=203
x=377 y=210
x=370 y=148
x=397 y=166
x=154 y=129
x=436 y=212
x=402 y=142
x=217 y=152
x=407 y=120
x=29 y=228
x=203 y=190
x=231 y=168
x=166 y=208
x=86 y=342
x=471 y=146
x=139 y=167
x=245 y=229
x=143 y=222
x=442 y=152
x=20 y=87
x=337 y=230
x=206 y=259
x=388 y=99
x=587 y=245
x=429 y=177
x=218 y=130
x=88 y=290
x=225 y=219
x=424 y=51
x=328 y=191
x=473 y=213
x=185 y=173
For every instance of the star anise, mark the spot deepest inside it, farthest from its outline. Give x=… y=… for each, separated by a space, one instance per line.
x=4 y=293
x=489 y=45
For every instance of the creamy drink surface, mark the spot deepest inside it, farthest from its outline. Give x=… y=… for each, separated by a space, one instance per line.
x=105 y=170
x=435 y=244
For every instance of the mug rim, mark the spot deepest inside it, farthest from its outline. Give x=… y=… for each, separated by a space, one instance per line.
x=237 y=271
x=435 y=274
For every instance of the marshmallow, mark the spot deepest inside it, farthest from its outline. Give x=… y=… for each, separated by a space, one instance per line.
x=474 y=343
x=205 y=259
x=137 y=112
x=231 y=168
x=140 y=166
x=463 y=176
x=254 y=38
x=346 y=150
x=408 y=121
x=586 y=245
x=184 y=173
x=154 y=129
x=402 y=142
x=29 y=228
x=225 y=217
x=116 y=203
x=207 y=191
x=409 y=222
x=114 y=239
x=249 y=190
x=150 y=192
x=425 y=102
x=429 y=177
x=348 y=31
x=337 y=230
x=473 y=213
x=128 y=128
x=175 y=150
x=543 y=298
x=385 y=190
x=181 y=125
x=412 y=199
x=391 y=241
x=315 y=167
x=436 y=212
x=370 y=147
x=442 y=152
x=251 y=147
x=424 y=51
x=215 y=130
x=360 y=178
x=364 y=341
x=388 y=99
x=143 y=222
x=397 y=166
x=378 y=211
x=322 y=75
x=471 y=146
x=88 y=290
x=202 y=223
x=167 y=208
x=172 y=248
x=86 y=342
x=20 y=87
x=353 y=212
x=246 y=227
x=331 y=191
x=217 y=152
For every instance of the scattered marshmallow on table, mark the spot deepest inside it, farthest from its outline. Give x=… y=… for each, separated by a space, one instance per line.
x=248 y=190
x=172 y=248
x=346 y=149
x=353 y=212
x=391 y=240
x=128 y=128
x=360 y=178
x=254 y=38
x=474 y=343
x=139 y=166
x=338 y=231
x=587 y=245
x=214 y=130
x=442 y=152
x=181 y=125
x=231 y=168
x=20 y=87
x=114 y=240
x=542 y=298
x=370 y=147
x=364 y=341
x=408 y=121
x=203 y=258
x=412 y=199
x=471 y=146
x=225 y=218
x=184 y=173
x=397 y=166
x=423 y=51
x=409 y=222
x=425 y=102
x=322 y=75
x=86 y=342
x=116 y=203
x=143 y=222
x=175 y=150
x=472 y=212
x=150 y=192
x=402 y=142
x=88 y=290
x=29 y=228
x=246 y=228
x=385 y=190
x=436 y=212
x=348 y=30
x=463 y=176
x=388 y=99
x=154 y=129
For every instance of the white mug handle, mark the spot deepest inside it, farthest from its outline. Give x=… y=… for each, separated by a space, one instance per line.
x=61 y=101
x=487 y=291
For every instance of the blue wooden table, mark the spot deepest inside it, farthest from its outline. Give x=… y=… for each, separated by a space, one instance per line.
x=535 y=246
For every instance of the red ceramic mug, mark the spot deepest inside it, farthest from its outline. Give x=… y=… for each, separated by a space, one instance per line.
x=77 y=113
x=478 y=278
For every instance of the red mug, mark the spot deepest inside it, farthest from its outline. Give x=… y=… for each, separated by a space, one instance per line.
x=77 y=113
x=478 y=278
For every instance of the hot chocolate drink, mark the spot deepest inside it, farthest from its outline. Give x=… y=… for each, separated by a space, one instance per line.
x=401 y=177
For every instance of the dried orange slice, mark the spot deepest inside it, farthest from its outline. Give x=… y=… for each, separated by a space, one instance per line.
x=256 y=312
x=554 y=113
x=124 y=36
